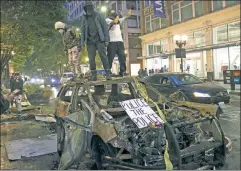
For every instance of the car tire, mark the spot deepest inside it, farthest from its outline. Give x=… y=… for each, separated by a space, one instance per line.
x=60 y=135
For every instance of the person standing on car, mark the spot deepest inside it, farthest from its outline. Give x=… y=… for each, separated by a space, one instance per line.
x=94 y=33
x=116 y=45
x=18 y=91
x=71 y=39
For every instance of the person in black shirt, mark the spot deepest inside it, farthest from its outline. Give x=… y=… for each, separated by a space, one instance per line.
x=94 y=33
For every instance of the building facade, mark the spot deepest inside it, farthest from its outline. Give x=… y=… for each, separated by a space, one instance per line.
x=213 y=30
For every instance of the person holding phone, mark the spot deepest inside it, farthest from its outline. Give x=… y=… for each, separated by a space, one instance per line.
x=116 y=45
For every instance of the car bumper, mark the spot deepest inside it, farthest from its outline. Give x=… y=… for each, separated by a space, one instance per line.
x=212 y=100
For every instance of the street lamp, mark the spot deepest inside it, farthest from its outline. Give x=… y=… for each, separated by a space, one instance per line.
x=181 y=41
x=103 y=9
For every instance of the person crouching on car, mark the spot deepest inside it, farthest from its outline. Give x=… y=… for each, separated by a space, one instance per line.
x=18 y=91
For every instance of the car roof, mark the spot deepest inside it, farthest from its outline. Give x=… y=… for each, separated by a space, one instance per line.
x=100 y=82
x=170 y=74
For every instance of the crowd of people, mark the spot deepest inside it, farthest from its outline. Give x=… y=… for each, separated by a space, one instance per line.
x=143 y=73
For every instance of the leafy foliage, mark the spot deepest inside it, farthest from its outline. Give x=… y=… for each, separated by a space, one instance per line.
x=28 y=26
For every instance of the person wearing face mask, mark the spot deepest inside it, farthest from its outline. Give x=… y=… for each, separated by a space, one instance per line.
x=94 y=34
x=71 y=45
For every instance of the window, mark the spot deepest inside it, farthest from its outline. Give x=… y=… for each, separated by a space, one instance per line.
x=163 y=22
x=186 y=10
x=199 y=38
x=234 y=31
x=217 y=5
x=132 y=21
x=148 y=24
x=150 y=50
x=175 y=13
x=66 y=94
x=113 y=7
x=220 y=34
x=155 y=23
x=231 y=3
x=130 y=3
x=157 y=47
x=198 y=8
x=147 y=3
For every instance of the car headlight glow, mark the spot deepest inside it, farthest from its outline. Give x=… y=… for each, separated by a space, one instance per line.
x=52 y=80
x=197 y=94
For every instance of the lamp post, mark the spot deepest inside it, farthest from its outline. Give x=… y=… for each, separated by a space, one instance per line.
x=103 y=9
x=181 y=42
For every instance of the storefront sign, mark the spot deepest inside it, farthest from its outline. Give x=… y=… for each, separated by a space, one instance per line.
x=158 y=7
x=141 y=113
x=231 y=76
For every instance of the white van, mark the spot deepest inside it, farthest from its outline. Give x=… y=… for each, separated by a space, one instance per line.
x=66 y=76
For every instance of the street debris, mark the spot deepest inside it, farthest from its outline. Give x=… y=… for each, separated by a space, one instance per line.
x=45 y=119
x=17 y=149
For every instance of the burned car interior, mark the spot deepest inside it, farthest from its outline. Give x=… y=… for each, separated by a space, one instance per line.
x=191 y=137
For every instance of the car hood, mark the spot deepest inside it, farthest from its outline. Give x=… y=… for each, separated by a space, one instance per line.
x=203 y=88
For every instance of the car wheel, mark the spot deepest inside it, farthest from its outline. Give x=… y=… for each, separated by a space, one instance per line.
x=99 y=150
x=60 y=136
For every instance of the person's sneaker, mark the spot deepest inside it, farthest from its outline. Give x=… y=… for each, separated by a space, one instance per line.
x=123 y=74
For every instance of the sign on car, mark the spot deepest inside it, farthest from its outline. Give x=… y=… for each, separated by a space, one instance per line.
x=141 y=113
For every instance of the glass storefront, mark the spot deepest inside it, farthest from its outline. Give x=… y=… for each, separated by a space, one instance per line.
x=225 y=59
x=157 y=64
x=194 y=63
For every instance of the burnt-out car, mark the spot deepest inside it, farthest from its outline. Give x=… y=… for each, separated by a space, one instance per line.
x=91 y=120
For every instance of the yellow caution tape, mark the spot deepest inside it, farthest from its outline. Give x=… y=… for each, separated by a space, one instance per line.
x=143 y=92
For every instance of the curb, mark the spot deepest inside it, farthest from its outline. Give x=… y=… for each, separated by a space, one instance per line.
x=235 y=93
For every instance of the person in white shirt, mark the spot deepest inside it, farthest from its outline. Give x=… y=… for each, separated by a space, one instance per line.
x=116 y=45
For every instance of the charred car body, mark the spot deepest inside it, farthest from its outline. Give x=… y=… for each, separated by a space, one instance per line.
x=94 y=122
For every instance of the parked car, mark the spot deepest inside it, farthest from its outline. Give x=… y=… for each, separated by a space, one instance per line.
x=66 y=77
x=96 y=123
x=52 y=80
x=193 y=88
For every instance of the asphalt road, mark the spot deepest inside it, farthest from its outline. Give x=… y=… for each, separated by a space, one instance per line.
x=230 y=122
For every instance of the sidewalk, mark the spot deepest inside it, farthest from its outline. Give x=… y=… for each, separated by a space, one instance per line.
x=228 y=87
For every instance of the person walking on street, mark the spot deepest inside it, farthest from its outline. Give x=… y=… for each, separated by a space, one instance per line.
x=18 y=91
x=94 y=33
x=12 y=79
x=116 y=45
x=71 y=39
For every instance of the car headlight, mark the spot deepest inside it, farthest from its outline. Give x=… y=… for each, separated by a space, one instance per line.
x=197 y=94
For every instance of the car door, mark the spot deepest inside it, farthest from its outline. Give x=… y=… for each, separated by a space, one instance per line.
x=77 y=126
x=64 y=99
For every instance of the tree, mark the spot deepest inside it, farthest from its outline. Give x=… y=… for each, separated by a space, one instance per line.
x=28 y=26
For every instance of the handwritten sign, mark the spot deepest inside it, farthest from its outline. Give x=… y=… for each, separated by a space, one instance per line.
x=140 y=112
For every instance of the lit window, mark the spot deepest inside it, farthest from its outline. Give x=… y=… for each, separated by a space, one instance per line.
x=234 y=31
